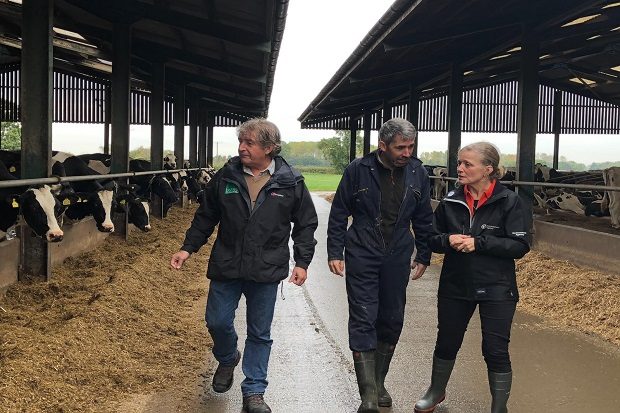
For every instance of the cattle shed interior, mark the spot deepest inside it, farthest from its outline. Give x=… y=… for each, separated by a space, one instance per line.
x=190 y=62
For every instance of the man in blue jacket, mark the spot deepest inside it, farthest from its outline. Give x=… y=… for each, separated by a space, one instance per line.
x=387 y=193
x=254 y=198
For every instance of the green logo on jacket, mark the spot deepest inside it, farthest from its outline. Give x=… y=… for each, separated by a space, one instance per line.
x=231 y=189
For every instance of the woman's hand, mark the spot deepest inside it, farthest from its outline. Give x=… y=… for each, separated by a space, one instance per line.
x=462 y=243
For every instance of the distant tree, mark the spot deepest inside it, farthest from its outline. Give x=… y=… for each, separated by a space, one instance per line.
x=11 y=136
x=142 y=152
x=434 y=158
x=336 y=149
x=604 y=165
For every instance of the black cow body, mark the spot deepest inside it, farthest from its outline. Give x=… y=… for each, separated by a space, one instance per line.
x=156 y=184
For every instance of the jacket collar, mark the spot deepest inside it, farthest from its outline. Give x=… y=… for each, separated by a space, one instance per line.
x=283 y=175
x=500 y=191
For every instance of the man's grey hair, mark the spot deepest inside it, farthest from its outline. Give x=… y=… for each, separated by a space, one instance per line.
x=267 y=133
x=397 y=126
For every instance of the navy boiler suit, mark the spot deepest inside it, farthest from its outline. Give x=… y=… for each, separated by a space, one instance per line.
x=377 y=274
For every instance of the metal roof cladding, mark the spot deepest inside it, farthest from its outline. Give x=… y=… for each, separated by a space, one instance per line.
x=415 y=45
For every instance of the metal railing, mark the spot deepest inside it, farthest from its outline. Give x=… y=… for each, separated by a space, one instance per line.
x=545 y=184
x=58 y=179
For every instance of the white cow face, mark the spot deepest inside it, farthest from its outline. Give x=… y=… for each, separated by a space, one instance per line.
x=41 y=211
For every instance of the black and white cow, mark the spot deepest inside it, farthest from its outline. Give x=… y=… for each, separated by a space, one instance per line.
x=137 y=209
x=128 y=201
x=100 y=162
x=159 y=185
x=12 y=161
x=611 y=200
x=37 y=205
x=99 y=198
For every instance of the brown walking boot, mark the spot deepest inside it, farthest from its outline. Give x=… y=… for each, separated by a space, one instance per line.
x=255 y=403
x=223 y=377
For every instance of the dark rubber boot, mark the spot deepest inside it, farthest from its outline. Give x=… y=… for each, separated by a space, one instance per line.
x=436 y=393
x=383 y=357
x=500 y=384
x=364 y=363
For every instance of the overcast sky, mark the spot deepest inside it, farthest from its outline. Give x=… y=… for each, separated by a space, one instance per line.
x=319 y=36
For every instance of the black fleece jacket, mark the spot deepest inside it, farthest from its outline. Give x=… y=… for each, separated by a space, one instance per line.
x=252 y=244
x=500 y=228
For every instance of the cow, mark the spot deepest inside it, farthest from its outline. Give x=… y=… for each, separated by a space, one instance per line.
x=100 y=162
x=157 y=184
x=566 y=202
x=97 y=199
x=170 y=162
x=36 y=204
x=137 y=209
x=128 y=201
x=12 y=161
x=440 y=186
x=611 y=177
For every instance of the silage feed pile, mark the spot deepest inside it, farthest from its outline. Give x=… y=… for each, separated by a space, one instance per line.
x=570 y=296
x=112 y=322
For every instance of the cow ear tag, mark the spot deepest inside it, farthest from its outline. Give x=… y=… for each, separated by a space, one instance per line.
x=12 y=169
x=122 y=202
x=66 y=201
x=15 y=204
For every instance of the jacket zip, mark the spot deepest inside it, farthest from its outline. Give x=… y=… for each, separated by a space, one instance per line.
x=472 y=217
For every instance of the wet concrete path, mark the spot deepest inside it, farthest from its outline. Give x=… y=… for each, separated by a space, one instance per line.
x=311 y=368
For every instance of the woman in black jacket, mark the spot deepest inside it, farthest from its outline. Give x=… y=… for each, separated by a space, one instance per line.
x=481 y=228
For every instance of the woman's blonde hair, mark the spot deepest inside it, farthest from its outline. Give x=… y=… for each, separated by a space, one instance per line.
x=489 y=153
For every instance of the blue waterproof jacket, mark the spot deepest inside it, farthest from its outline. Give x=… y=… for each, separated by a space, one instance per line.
x=359 y=195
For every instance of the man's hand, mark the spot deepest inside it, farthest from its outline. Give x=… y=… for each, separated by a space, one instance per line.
x=336 y=267
x=298 y=276
x=178 y=259
x=417 y=270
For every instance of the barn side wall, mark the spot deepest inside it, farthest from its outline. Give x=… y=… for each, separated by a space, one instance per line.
x=79 y=237
x=579 y=246
x=9 y=261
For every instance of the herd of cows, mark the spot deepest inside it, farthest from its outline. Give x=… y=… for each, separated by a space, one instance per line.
x=43 y=207
x=583 y=202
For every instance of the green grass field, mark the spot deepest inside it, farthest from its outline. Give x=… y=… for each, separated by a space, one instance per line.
x=322 y=182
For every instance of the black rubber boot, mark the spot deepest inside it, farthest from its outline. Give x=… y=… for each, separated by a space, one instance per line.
x=383 y=357
x=364 y=362
x=500 y=384
x=436 y=393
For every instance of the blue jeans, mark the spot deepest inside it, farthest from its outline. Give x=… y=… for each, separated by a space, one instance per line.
x=222 y=303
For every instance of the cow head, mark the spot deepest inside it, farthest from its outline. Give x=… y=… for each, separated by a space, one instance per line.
x=170 y=162
x=99 y=204
x=41 y=211
x=137 y=209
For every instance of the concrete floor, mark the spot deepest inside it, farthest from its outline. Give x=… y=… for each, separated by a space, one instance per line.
x=311 y=367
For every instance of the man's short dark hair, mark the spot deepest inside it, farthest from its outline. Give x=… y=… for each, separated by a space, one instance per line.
x=397 y=126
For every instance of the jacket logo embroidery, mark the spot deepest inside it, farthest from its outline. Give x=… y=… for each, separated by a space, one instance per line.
x=277 y=194
x=488 y=226
x=231 y=189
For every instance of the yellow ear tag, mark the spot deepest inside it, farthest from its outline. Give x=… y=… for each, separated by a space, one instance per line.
x=66 y=202
x=122 y=202
x=14 y=204
x=12 y=169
